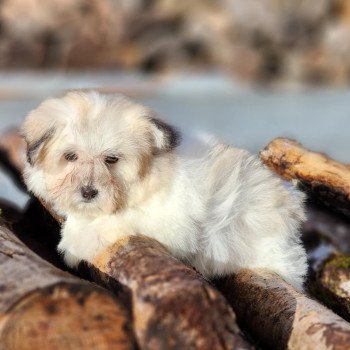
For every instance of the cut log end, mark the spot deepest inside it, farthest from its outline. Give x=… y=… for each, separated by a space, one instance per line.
x=66 y=316
x=42 y=307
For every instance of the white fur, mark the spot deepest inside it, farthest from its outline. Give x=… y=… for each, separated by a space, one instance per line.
x=212 y=205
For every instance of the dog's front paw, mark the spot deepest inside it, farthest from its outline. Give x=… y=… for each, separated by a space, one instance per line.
x=108 y=230
x=85 y=241
x=76 y=245
x=70 y=259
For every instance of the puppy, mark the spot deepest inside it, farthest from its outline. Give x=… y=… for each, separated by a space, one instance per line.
x=113 y=169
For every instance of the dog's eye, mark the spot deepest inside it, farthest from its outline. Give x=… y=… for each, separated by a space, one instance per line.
x=111 y=159
x=70 y=156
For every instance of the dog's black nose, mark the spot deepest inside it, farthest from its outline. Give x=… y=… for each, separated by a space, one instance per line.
x=88 y=192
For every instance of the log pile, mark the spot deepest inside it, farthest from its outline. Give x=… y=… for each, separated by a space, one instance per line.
x=171 y=305
x=260 y=41
x=147 y=299
x=42 y=307
x=327 y=231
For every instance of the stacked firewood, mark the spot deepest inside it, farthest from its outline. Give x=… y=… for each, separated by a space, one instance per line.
x=265 y=41
x=137 y=296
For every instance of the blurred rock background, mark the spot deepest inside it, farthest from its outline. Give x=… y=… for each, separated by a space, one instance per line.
x=263 y=41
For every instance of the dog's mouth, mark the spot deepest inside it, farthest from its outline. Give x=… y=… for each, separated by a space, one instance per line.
x=85 y=205
x=88 y=201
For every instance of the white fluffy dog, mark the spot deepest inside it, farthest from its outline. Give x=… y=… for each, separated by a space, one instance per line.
x=113 y=169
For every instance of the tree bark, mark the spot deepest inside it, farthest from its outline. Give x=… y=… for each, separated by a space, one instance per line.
x=173 y=306
x=325 y=179
x=280 y=317
x=332 y=284
x=42 y=307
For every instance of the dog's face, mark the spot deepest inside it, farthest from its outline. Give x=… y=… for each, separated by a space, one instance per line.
x=86 y=151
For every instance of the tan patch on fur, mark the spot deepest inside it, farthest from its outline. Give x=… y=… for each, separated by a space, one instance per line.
x=120 y=201
x=144 y=164
x=151 y=183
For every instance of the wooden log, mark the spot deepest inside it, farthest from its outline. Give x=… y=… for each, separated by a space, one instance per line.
x=280 y=317
x=9 y=212
x=12 y=155
x=326 y=180
x=42 y=307
x=14 y=146
x=332 y=284
x=40 y=232
x=173 y=306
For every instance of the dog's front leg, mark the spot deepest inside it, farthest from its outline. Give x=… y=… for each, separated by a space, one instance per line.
x=109 y=229
x=83 y=240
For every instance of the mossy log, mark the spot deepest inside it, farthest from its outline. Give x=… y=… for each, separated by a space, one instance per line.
x=326 y=180
x=280 y=317
x=332 y=284
x=42 y=307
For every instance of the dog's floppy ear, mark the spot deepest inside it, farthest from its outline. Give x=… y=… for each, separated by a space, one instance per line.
x=35 y=147
x=38 y=128
x=165 y=136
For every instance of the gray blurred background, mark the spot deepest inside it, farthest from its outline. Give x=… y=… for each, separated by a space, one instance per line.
x=246 y=70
